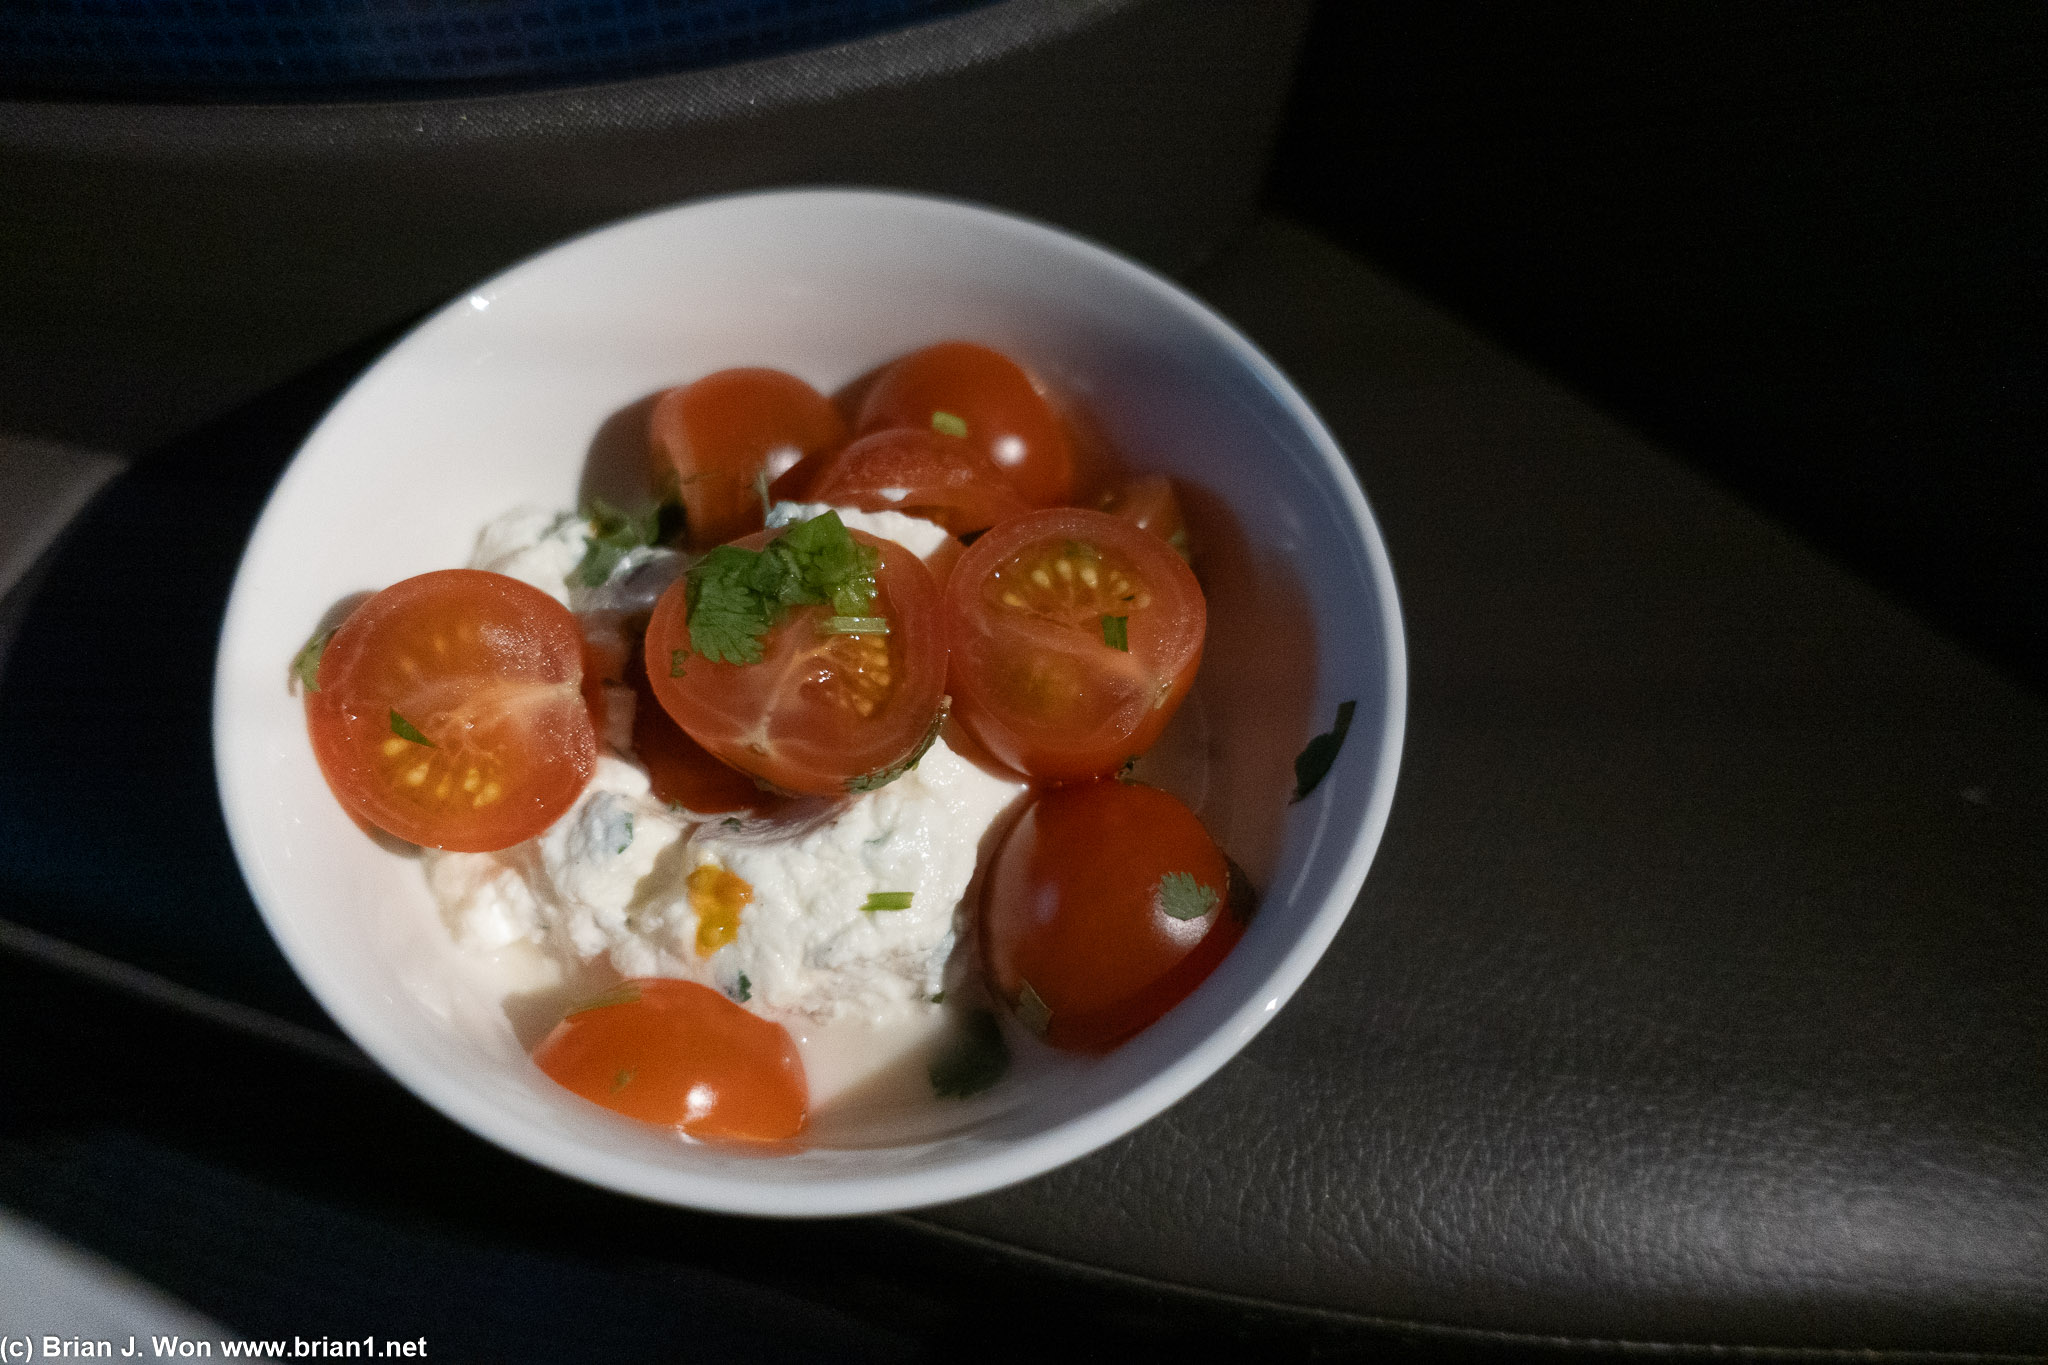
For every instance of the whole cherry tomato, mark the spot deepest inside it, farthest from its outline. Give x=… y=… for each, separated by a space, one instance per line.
x=1107 y=904
x=961 y=389
x=1149 y=503
x=726 y=433
x=682 y=1055
x=825 y=711
x=450 y=711
x=1075 y=635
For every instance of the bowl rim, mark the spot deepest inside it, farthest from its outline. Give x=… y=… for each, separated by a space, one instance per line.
x=949 y=1179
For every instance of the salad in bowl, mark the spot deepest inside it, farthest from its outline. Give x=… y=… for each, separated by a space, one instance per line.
x=811 y=703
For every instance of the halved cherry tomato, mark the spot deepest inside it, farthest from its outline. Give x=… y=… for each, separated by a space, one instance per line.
x=1149 y=503
x=682 y=1055
x=959 y=384
x=820 y=714
x=1075 y=635
x=921 y=474
x=450 y=711
x=724 y=432
x=1105 y=907
x=682 y=771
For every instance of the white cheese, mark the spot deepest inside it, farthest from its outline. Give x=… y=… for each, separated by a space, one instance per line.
x=535 y=546
x=609 y=879
x=807 y=944
x=914 y=534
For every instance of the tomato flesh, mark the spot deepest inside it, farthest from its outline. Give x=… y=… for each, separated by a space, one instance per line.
x=1004 y=414
x=722 y=434
x=920 y=473
x=681 y=1055
x=1077 y=909
x=1075 y=636
x=820 y=713
x=450 y=711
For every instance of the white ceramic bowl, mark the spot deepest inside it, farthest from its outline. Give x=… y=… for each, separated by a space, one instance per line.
x=498 y=399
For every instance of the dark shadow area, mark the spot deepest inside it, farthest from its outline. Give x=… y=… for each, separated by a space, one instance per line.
x=1805 y=249
x=111 y=833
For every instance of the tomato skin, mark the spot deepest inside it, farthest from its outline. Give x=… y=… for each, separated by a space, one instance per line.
x=792 y=720
x=679 y=769
x=486 y=667
x=1038 y=683
x=1008 y=419
x=1149 y=503
x=919 y=473
x=1072 y=906
x=683 y=1056
x=722 y=432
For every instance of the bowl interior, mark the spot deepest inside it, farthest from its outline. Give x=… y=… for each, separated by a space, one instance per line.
x=503 y=398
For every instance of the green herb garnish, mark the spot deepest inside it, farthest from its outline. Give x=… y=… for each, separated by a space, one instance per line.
x=853 y=625
x=626 y=834
x=612 y=535
x=618 y=995
x=1180 y=896
x=882 y=777
x=1032 y=1010
x=888 y=900
x=675 y=662
x=737 y=595
x=948 y=424
x=1313 y=763
x=1116 y=632
x=939 y=999
x=405 y=729
x=744 y=991
x=973 y=1061
x=306 y=663
x=623 y=1079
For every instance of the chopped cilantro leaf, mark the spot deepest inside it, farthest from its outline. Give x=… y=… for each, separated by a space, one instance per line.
x=888 y=900
x=611 y=535
x=1313 y=763
x=737 y=596
x=619 y=995
x=1032 y=1010
x=626 y=835
x=939 y=999
x=853 y=625
x=675 y=662
x=1116 y=632
x=623 y=1079
x=404 y=729
x=973 y=1061
x=744 y=991
x=1180 y=896
x=306 y=663
x=949 y=424
x=882 y=777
